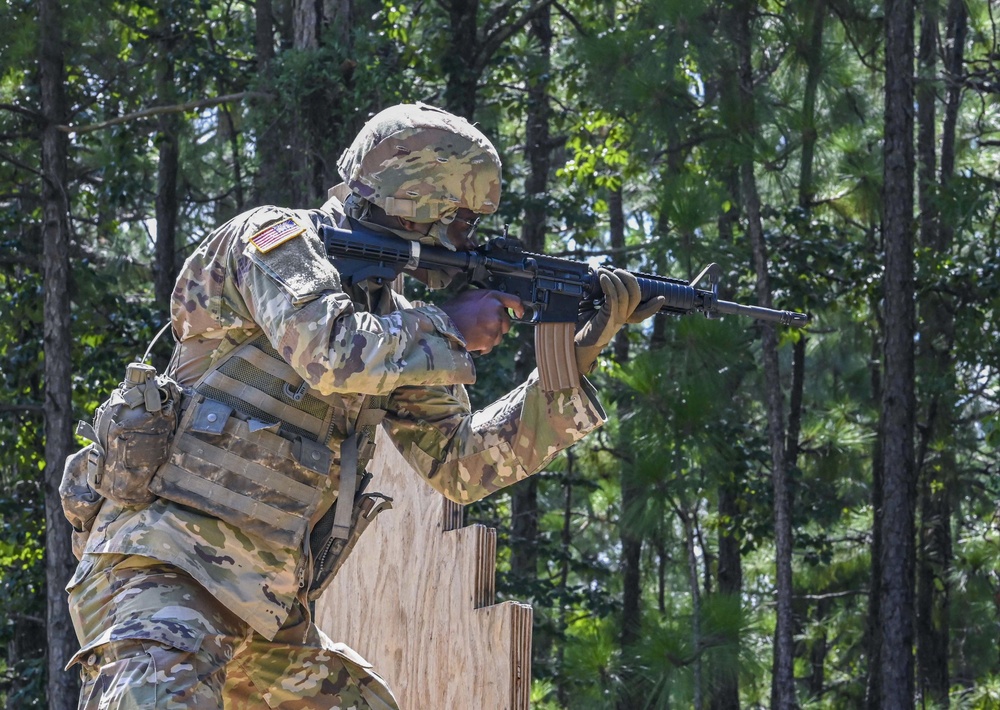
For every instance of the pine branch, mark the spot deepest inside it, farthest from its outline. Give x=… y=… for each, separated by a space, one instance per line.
x=14 y=108
x=571 y=18
x=161 y=110
x=495 y=39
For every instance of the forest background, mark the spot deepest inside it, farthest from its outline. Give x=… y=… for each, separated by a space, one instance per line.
x=771 y=517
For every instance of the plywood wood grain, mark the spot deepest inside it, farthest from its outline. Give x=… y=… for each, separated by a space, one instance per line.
x=416 y=598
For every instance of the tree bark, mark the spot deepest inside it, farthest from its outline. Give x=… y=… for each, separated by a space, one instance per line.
x=783 y=693
x=472 y=47
x=818 y=651
x=697 y=701
x=524 y=514
x=936 y=465
x=873 y=625
x=814 y=15
x=898 y=398
x=167 y=171
x=934 y=471
x=957 y=21
x=725 y=686
x=62 y=687
x=459 y=62
x=268 y=139
x=298 y=146
x=632 y=496
x=341 y=18
x=306 y=23
x=538 y=153
x=725 y=693
x=566 y=544
x=299 y=142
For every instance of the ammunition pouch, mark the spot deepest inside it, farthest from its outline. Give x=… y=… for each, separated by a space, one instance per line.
x=132 y=432
x=249 y=444
x=80 y=502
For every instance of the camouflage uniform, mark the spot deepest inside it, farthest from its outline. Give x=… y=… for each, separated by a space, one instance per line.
x=174 y=607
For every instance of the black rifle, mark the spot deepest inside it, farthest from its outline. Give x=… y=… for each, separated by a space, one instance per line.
x=553 y=290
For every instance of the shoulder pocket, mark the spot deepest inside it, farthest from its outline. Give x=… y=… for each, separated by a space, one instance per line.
x=298 y=265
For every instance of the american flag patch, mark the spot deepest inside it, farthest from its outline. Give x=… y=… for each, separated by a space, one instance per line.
x=275 y=235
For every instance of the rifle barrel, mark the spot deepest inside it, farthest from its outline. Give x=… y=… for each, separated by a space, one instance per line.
x=683 y=298
x=797 y=320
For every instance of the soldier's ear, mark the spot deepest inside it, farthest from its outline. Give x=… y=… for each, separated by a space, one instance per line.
x=409 y=225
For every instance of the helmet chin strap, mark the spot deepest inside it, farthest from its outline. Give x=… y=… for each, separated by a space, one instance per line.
x=358 y=208
x=438 y=232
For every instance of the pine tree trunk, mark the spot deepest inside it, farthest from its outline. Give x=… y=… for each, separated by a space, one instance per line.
x=725 y=686
x=814 y=16
x=167 y=170
x=725 y=694
x=697 y=700
x=873 y=624
x=936 y=465
x=306 y=23
x=783 y=694
x=460 y=61
x=299 y=141
x=898 y=399
x=934 y=470
x=818 y=651
x=538 y=153
x=62 y=687
x=270 y=156
x=632 y=496
x=524 y=529
x=566 y=544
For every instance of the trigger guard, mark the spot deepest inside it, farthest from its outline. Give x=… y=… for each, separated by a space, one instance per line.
x=531 y=316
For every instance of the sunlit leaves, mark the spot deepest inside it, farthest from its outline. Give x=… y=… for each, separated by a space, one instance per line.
x=599 y=153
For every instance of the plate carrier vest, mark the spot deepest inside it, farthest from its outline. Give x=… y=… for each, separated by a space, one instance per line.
x=261 y=450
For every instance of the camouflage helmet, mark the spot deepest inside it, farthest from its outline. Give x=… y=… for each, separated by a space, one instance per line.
x=423 y=164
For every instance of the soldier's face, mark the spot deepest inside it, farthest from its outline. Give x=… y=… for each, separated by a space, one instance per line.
x=462 y=230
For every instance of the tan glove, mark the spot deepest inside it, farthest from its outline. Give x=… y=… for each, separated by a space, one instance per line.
x=622 y=304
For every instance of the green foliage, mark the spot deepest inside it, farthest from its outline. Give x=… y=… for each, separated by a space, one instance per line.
x=21 y=559
x=676 y=662
x=22 y=505
x=599 y=152
x=644 y=97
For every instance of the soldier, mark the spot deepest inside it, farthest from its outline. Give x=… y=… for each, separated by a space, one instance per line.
x=200 y=598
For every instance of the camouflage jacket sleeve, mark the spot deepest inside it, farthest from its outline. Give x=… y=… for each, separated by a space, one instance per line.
x=466 y=455
x=294 y=294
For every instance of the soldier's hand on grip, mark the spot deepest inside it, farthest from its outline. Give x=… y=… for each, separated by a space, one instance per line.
x=482 y=318
x=622 y=304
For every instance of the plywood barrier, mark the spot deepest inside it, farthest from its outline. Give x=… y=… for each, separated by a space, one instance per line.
x=416 y=598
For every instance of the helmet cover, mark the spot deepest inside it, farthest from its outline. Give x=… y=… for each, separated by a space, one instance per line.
x=423 y=164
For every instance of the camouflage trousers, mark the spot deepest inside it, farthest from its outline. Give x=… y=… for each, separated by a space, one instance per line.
x=152 y=637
